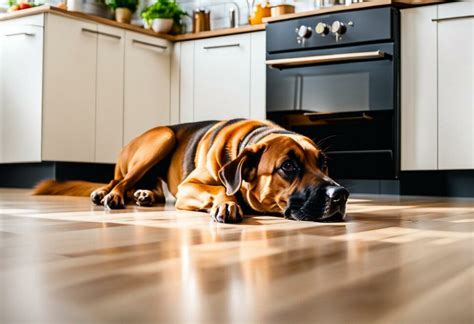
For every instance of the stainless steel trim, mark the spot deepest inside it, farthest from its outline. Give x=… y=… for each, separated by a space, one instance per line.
x=221 y=46
x=452 y=18
x=18 y=34
x=330 y=58
x=134 y=41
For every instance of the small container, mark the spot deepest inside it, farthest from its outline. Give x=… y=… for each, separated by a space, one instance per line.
x=201 y=20
x=282 y=9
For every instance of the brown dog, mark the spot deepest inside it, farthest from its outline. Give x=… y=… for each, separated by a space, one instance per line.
x=221 y=167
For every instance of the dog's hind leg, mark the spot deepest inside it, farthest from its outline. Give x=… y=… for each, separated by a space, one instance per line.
x=141 y=155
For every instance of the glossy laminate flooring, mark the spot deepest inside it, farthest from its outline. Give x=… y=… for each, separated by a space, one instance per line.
x=395 y=260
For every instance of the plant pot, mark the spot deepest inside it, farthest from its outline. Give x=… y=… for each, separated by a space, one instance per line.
x=146 y=24
x=162 y=25
x=123 y=15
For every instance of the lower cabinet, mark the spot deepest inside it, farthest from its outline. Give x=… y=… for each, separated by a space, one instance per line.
x=147 y=84
x=223 y=78
x=437 y=86
x=109 y=98
x=69 y=105
x=21 y=65
x=456 y=86
x=76 y=91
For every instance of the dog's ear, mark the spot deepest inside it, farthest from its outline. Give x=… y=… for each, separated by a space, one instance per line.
x=244 y=167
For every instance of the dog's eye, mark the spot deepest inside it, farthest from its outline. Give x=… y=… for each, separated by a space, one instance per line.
x=288 y=166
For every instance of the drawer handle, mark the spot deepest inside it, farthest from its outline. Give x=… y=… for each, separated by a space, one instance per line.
x=221 y=46
x=134 y=41
x=19 y=34
x=452 y=18
x=87 y=30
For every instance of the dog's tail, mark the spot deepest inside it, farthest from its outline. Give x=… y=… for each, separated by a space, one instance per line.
x=66 y=188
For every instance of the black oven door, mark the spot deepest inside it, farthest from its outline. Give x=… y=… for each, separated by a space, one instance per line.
x=346 y=99
x=348 y=79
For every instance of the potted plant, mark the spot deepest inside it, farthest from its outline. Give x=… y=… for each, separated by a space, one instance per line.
x=123 y=9
x=162 y=15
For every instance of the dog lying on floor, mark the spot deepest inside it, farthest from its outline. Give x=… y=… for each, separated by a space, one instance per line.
x=223 y=167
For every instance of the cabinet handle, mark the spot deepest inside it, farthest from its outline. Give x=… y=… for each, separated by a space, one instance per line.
x=134 y=41
x=18 y=34
x=452 y=18
x=221 y=46
x=87 y=30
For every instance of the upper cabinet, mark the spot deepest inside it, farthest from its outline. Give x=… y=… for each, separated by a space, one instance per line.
x=21 y=73
x=147 y=84
x=437 y=86
x=455 y=24
x=223 y=78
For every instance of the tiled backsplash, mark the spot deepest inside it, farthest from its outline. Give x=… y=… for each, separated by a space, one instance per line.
x=220 y=10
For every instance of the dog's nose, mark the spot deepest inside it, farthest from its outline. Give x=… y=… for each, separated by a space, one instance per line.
x=337 y=194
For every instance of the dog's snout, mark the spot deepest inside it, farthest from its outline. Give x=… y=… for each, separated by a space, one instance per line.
x=337 y=194
x=321 y=203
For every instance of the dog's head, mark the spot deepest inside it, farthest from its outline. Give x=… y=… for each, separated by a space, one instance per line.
x=286 y=174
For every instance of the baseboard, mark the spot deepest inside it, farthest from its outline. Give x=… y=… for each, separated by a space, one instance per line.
x=27 y=175
x=450 y=183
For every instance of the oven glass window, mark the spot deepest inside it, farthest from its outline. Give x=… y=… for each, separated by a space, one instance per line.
x=345 y=87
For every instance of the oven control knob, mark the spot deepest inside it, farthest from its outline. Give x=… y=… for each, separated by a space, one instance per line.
x=304 y=31
x=338 y=28
x=322 y=29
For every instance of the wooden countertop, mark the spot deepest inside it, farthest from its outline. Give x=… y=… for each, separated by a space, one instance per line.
x=354 y=6
x=138 y=29
x=218 y=32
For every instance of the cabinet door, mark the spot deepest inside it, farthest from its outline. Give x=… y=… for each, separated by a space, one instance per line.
x=70 y=64
x=21 y=92
x=419 y=107
x=222 y=78
x=456 y=85
x=109 y=110
x=147 y=84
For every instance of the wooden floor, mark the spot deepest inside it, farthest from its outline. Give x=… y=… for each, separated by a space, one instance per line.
x=395 y=260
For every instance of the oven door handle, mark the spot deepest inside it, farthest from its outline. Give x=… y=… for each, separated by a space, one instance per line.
x=322 y=59
x=331 y=117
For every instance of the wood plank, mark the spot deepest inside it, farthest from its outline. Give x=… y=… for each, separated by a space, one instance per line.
x=395 y=259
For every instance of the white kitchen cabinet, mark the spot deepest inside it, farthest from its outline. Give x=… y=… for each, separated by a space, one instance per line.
x=21 y=73
x=437 y=87
x=69 y=103
x=222 y=78
x=456 y=85
x=109 y=101
x=146 y=84
x=419 y=109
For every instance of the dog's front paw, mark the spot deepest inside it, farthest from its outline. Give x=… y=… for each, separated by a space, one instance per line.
x=97 y=196
x=143 y=198
x=227 y=212
x=113 y=201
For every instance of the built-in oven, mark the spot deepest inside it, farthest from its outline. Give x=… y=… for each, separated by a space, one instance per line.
x=335 y=78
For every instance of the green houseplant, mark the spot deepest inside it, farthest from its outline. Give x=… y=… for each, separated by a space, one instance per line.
x=162 y=15
x=123 y=9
